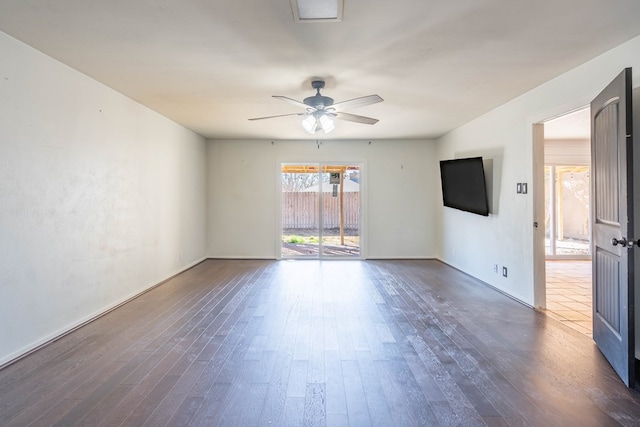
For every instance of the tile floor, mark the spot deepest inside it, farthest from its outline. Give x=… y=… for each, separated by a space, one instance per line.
x=569 y=293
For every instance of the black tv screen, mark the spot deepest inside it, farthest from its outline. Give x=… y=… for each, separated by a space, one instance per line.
x=463 y=185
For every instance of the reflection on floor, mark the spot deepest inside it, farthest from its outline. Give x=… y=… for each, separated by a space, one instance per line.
x=569 y=293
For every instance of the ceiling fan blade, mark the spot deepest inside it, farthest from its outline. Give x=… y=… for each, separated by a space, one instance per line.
x=292 y=101
x=355 y=118
x=279 y=115
x=357 y=102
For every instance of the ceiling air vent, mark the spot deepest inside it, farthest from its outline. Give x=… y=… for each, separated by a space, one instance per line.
x=317 y=10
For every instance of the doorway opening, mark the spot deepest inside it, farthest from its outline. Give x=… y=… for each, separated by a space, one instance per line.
x=567 y=244
x=320 y=210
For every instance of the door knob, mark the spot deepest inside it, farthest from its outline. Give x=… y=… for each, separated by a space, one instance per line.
x=622 y=241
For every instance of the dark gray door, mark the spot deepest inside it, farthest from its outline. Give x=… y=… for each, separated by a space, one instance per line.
x=612 y=225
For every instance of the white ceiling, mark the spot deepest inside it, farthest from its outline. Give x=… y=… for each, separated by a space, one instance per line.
x=212 y=64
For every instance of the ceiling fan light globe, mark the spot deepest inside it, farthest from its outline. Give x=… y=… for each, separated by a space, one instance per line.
x=310 y=124
x=326 y=123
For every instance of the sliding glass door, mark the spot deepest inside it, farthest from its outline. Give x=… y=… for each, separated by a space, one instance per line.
x=320 y=212
x=567 y=229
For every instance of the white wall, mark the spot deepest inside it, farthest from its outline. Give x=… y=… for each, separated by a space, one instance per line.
x=100 y=198
x=473 y=243
x=399 y=190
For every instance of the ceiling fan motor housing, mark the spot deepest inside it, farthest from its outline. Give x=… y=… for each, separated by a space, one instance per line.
x=318 y=101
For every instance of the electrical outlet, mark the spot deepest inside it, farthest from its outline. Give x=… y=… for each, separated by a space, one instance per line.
x=495 y=268
x=504 y=271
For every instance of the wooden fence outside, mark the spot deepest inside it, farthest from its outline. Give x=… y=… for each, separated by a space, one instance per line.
x=300 y=210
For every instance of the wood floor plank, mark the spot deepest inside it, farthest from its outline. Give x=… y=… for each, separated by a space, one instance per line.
x=373 y=387
x=354 y=343
x=357 y=408
x=336 y=402
x=273 y=405
x=407 y=404
x=106 y=405
x=211 y=405
x=239 y=408
x=175 y=404
x=293 y=412
x=315 y=405
x=298 y=378
x=316 y=370
x=185 y=412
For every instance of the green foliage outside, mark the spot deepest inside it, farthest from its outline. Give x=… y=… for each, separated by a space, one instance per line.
x=299 y=239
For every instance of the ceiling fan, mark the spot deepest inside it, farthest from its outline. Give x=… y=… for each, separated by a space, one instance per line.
x=320 y=110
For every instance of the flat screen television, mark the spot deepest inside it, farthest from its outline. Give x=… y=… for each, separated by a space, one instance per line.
x=463 y=185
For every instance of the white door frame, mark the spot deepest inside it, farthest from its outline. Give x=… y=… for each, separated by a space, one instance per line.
x=537 y=148
x=539 y=272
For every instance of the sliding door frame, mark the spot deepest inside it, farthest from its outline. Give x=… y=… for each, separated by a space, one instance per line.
x=361 y=214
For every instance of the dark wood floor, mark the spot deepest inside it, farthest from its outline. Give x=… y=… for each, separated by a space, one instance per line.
x=333 y=343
